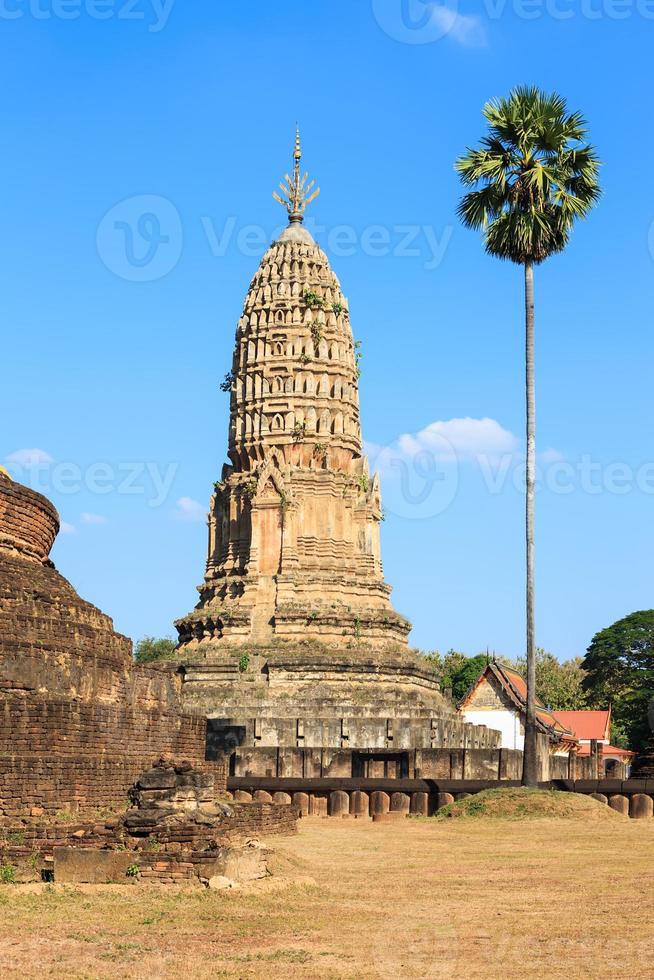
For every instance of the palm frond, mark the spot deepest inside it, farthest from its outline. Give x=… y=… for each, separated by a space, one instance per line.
x=531 y=177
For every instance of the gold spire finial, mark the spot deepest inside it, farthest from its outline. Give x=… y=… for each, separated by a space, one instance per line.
x=296 y=193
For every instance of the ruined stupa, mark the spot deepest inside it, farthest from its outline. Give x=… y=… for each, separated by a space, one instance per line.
x=78 y=719
x=294 y=583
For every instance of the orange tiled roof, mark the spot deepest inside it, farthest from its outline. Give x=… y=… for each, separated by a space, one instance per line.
x=586 y=724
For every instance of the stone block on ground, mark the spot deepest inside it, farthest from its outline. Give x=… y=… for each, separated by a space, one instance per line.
x=244 y=863
x=301 y=801
x=619 y=803
x=262 y=796
x=317 y=805
x=380 y=802
x=339 y=803
x=420 y=804
x=360 y=803
x=400 y=802
x=282 y=798
x=391 y=816
x=641 y=806
x=91 y=866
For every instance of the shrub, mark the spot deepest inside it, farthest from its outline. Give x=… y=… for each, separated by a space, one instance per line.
x=250 y=488
x=313 y=299
x=228 y=381
x=7 y=874
x=150 y=648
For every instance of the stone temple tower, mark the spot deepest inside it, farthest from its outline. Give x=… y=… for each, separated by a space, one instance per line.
x=294 y=552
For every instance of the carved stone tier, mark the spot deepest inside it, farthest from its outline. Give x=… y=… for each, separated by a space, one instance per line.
x=311 y=680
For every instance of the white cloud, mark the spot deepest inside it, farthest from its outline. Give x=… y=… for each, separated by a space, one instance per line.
x=421 y=471
x=29 y=458
x=464 y=29
x=66 y=528
x=190 y=510
x=451 y=443
x=456 y=441
x=87 y=518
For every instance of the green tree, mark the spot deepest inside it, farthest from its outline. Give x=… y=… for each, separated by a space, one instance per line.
x=532 y=176
x=432 y=659
x=150 y=648
x=453 y=670
x=619 y=665
x=558 y=685
x=465 y=675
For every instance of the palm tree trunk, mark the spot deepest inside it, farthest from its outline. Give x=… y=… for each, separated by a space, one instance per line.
x=530 y=763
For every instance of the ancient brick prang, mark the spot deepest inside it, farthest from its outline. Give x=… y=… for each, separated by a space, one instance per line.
x=294 y=547
x=294 y=606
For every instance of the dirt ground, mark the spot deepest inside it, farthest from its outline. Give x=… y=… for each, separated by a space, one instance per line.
x=489 y=898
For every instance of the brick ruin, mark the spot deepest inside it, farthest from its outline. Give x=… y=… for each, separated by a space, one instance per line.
x=78 y=720
x=181 y=828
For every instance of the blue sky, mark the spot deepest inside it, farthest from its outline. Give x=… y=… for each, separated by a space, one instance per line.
x=112 y=358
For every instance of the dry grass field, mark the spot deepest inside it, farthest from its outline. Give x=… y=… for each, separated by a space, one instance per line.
x=471 y=898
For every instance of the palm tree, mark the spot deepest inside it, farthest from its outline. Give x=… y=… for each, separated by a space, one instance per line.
x=532 y=176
